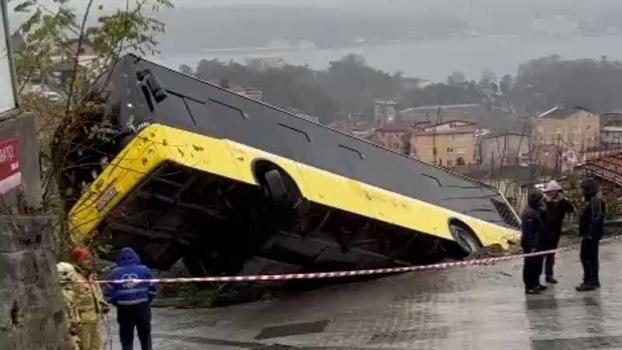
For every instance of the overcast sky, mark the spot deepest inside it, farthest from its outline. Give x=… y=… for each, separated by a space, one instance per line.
x=206 y=3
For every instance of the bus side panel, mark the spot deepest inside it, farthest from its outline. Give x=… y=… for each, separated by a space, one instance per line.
x=353 y=196
x=158 y=143
x=349 y=195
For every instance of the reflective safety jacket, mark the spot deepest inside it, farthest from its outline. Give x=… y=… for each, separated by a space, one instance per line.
x=132 y=292
x=88 y=297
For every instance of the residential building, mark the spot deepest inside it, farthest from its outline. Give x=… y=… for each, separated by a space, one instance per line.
x=548 y=156
x=385 y=111
x=505 y=149
x=61 y=71
x=395 y=136
x=558 y=158
x=341 y=125
x=612 y=117
x=86 y=48
x=561 y=136
x=611 y=136
x=449 y=144
x=353 y=126
x=569 y=128
x=611 y=129
x=482 y=132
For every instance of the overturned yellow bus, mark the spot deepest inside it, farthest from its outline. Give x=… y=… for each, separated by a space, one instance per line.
x=232 y=185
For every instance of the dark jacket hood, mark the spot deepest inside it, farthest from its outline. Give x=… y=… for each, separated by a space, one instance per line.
x=534 y=200
x=589 y=187
x=128 y=256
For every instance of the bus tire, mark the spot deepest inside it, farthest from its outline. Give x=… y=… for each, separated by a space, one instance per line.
x=465 y=238
x=275 y=187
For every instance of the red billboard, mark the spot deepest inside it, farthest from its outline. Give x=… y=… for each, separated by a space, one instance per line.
x=10 y=174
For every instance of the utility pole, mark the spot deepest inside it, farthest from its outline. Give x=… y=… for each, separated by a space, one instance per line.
x=532 y=169
x=520 y=143
x=434 y=150
x=557 y=156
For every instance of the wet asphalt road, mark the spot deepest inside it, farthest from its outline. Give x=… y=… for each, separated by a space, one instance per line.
x=469 y=308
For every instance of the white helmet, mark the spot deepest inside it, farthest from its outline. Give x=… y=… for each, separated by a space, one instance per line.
x=65 y=271
x=552 y=186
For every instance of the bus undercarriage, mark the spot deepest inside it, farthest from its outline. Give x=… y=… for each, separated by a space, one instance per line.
x=222 y=227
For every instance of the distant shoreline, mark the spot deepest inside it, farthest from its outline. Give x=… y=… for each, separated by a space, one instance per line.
x=432 y=60
x=252 y=50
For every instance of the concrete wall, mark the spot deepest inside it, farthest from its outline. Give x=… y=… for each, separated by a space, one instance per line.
x=31 y=306
x=504 y=150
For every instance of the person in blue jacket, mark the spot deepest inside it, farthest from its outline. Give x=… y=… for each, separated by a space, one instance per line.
x=132 y=298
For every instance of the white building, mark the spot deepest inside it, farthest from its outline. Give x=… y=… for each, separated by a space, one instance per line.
x=611 y=136
x=385 y=111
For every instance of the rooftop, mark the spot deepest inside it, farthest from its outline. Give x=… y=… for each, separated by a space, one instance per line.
x=442 y=107
x=559 y=112
x=614 y=112
x=397 y=126
x=495 y=135
x=519 y=174
x=612 y=127
x=460 y=127
x=462 y=122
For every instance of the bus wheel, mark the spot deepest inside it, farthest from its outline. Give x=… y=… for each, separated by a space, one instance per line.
x=275 y=187
x=465 y=239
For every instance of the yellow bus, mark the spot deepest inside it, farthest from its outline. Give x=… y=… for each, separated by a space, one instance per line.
x=232 y=185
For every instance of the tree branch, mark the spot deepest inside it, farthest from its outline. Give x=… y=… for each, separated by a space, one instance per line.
x=76 y=58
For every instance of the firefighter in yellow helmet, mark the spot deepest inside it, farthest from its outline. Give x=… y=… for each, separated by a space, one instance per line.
x=66 y=275
x=89 y=301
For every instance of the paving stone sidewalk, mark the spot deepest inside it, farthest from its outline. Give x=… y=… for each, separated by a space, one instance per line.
x=469 y=308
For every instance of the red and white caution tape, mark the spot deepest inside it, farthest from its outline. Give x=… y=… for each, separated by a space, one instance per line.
x=343 y=274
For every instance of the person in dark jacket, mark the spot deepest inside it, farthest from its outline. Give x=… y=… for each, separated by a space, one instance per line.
x=591 y=228
x=556 y=209
x=532 y=227
x=132 y=298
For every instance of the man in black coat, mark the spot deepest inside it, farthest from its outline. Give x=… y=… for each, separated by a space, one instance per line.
x=557 y=206
x=532 y=227
x=591 y=229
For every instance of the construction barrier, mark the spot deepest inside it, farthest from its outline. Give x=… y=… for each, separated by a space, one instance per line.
x=343 y=274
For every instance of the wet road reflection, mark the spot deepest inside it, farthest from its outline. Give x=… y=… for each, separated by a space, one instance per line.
x=472 y=308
